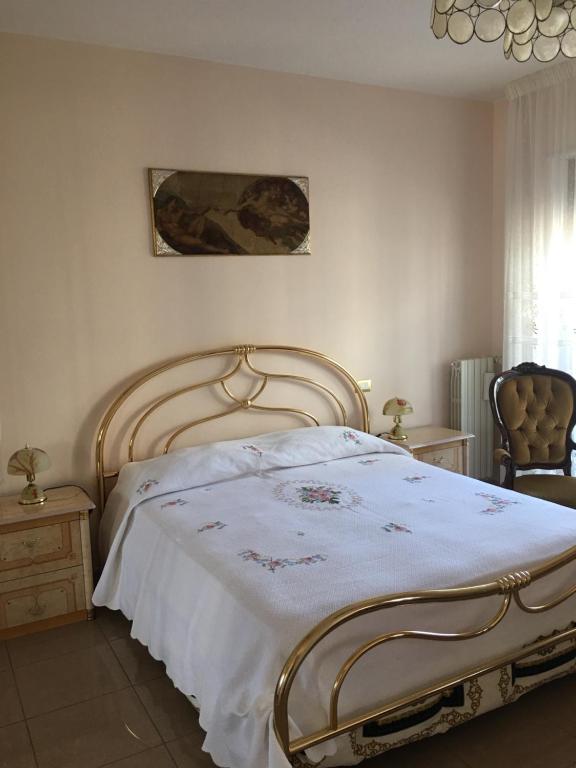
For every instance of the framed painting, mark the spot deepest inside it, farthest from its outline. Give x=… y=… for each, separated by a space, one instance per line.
x=207 y=214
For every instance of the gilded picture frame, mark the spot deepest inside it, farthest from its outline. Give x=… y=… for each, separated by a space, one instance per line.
x=199 y=213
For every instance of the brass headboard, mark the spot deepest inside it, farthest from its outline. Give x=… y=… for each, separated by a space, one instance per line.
x=238 y=361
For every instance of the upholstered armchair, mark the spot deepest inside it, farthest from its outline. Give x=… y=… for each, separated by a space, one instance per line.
x=534 y=408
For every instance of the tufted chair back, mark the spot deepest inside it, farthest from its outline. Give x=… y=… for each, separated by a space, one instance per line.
x=534 y=408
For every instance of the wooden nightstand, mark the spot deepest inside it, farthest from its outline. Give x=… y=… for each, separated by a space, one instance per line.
x=45 y=562
x=442 y=447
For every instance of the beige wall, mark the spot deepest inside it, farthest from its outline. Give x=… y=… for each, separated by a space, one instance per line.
x=399 y=283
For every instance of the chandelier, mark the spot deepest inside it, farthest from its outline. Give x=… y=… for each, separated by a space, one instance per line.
x=538 y=28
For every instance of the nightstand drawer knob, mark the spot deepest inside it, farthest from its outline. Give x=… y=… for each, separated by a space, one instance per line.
x=439 y=459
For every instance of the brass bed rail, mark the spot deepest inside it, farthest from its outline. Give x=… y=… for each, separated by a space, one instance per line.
x=508 y=586
x=240 y=361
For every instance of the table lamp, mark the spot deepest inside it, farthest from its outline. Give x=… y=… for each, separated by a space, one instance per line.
x=397 y=407
x=28 y=461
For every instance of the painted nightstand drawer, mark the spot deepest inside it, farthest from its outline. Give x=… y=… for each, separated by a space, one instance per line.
x=45 y=562
x=439 y=446
x=446 y=458
x=25 y=551
x=42 y=597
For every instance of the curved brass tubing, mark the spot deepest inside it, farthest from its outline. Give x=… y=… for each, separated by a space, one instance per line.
x=304 y=380
x=343 y=616
x=241 y=353
x=407 y=634
x=508 y=585
x=554 y=564
x=121 y=399
x=305 y=742
x=242 y=406
x=331 y=364
x=196 y=422
x=163 y=400
x=297 y=411
x=247 y=402
x=545 y=606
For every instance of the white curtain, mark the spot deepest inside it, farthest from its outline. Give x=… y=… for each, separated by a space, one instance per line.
x=540 y=287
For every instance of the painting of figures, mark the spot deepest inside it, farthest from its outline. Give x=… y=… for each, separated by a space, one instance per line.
x=196 y=213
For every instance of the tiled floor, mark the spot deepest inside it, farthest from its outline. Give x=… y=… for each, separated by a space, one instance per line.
x=87 y=695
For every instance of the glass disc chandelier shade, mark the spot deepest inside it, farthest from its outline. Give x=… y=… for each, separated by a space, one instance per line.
x=538 y=28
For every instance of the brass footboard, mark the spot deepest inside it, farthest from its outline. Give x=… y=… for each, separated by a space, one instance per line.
x=508 y=586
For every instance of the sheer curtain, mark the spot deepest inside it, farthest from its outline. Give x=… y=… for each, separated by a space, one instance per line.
x=540 y=283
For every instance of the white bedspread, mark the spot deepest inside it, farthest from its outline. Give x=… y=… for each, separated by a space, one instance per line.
x=226 y=555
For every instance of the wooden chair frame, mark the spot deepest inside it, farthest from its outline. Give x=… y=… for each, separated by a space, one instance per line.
x=504 y=454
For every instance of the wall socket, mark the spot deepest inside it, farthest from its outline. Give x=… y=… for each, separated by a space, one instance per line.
x=365 y=385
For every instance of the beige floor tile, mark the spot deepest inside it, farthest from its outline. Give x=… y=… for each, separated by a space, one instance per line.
x=554 y=702
x=10 y=709
x=428 y=753
x=15 y=747
x=68 y=679
x=55 y=642
x=153 y=758
x=136 y=661
x=169 y=709
x=113 y=623
x=93 y=733
x=187 y=751
x=513 y=736
x=62 y=669
x=4 y=661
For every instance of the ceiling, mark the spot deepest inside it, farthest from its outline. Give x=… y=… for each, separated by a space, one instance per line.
x=380 y=42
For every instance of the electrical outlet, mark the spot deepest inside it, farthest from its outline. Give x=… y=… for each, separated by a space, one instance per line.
x=365 y=385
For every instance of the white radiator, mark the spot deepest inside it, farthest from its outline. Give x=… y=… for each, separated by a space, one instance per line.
x=470 y=409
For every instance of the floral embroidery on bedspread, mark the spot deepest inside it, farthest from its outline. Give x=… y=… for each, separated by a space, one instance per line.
x=319 y=494
x=145 y=486
x=313 y=494
x=272 y=564
x=415 y=479
x=498 y=504
x=367 y=462
x=351 y=437
x=218 y=524
x=396 y=528
x=174 y=503
x=253 y=449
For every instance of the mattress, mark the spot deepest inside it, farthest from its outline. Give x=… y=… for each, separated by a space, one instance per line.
x=225 y=556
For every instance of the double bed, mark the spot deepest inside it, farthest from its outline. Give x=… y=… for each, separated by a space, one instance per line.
x=317 y=593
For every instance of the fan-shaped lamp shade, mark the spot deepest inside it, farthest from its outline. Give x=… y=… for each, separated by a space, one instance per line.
x=397 y=407
x=28 y=461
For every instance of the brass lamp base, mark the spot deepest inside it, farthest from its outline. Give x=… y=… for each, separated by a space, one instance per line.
x=32 y=494
x=397 y=432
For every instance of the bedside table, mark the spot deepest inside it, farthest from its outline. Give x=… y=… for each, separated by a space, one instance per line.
x=442 y=447
x=45 y=562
